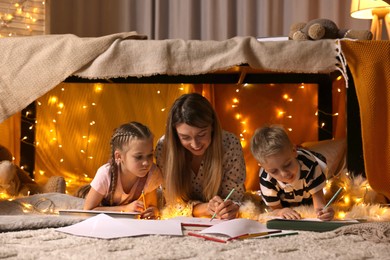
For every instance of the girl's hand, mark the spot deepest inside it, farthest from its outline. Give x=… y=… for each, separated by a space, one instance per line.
x=135 y=206
x=325 y=214
x=288 y=213
x=150 y=213
x=223 y=209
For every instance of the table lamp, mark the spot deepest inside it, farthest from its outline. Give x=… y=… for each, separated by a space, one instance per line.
x=377 y=10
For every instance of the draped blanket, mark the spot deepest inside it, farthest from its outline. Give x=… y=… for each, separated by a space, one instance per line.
x=369 y=62
x=31 y=66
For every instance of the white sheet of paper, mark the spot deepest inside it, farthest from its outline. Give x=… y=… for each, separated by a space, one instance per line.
x=237 y=227
x=103 y=226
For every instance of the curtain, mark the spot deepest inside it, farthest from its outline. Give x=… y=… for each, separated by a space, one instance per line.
x=194 y=19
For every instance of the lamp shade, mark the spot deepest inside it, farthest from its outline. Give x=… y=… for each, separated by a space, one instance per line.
x=362 y=9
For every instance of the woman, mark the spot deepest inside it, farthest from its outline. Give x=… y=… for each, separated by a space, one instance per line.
x=200 y=162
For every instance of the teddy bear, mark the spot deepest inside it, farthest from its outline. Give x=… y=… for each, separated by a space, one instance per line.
x=318 y=29
x=15 y=182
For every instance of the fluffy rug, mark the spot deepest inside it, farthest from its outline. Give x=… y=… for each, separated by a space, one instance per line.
x=344 y=243
x=28 y=232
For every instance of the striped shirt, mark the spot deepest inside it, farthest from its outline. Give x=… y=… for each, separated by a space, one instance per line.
x=312 y=179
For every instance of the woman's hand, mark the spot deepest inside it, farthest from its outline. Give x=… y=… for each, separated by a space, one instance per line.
x=287 y=213
x=223 y=209
x=325 y=214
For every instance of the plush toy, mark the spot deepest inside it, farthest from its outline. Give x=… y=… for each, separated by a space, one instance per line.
x=318 y=29
x=15 y=182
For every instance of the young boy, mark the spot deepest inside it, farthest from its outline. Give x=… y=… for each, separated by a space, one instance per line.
x=288 y=177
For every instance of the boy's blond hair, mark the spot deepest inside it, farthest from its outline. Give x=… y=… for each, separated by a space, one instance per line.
x=269 y=140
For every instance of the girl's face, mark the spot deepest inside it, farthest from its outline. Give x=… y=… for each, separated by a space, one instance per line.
x=283 y=166
x=196 y=140
x=137 y=157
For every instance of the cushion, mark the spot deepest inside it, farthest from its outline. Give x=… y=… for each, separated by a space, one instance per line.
x=334 y=150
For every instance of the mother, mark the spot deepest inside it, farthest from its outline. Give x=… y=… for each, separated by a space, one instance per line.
x=201 y=163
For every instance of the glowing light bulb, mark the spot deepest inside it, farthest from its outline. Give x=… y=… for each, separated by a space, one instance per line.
x=52 y=100
x=98 y=87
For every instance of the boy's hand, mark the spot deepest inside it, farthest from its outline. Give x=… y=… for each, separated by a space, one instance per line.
x=288 y=213
x=325 y=214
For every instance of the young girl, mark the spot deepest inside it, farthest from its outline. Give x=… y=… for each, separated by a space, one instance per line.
x=130 y=178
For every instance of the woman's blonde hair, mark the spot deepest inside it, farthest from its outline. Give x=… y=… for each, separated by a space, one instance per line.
x=194 y=110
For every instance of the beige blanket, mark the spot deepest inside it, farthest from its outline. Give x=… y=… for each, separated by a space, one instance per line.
x=31 y=66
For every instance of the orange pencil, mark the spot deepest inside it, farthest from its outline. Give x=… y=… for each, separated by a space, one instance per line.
x=143 y=199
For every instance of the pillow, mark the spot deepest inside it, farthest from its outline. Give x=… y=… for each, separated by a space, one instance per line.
x=333 y=150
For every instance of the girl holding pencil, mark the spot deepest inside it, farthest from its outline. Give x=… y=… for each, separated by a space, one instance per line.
x=130 y=180
x=201 y=163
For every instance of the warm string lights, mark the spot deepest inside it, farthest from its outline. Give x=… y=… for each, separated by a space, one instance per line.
x=357 y=195
x=242 y=120
x=285 y=110
x=22 y=17
x=75 y=124
x=29 y=119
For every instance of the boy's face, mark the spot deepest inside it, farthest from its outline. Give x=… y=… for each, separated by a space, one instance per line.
x=283 y=166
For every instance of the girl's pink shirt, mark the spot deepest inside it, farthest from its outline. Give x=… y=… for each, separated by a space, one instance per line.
x=101 y=183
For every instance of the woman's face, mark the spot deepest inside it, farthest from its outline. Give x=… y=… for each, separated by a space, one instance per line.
x=196 y=140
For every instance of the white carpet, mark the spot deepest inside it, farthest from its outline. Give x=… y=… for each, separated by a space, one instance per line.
x=32 y=235
x=50 y=244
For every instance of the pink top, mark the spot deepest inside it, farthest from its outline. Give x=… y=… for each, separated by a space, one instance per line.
x=101 y=183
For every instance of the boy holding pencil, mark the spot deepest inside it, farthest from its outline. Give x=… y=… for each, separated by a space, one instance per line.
x=288 y=176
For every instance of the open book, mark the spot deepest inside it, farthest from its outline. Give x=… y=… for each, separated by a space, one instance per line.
x=239 y=228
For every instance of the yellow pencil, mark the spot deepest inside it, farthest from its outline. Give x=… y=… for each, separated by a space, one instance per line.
x=143 y=199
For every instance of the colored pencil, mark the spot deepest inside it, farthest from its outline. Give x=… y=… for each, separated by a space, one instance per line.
x=143 y=199
x=333 y=198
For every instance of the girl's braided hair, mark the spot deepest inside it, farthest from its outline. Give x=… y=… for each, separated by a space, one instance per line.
x=120 y=140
